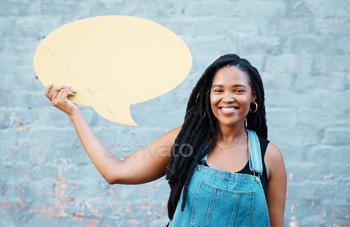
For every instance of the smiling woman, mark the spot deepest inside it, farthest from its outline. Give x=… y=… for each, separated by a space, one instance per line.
x=221 y=168
x=235 y=176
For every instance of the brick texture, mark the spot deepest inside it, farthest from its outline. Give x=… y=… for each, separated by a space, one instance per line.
x=301 y=49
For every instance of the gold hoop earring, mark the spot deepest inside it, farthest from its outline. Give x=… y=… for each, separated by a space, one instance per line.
x=256 y=108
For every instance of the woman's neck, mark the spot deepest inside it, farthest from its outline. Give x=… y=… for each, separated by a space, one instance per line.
x=230 y=134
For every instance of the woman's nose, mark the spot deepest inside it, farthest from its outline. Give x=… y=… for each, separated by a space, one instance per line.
x=228 y=98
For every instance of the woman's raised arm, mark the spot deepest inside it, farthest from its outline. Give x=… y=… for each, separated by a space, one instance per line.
x=144 y=165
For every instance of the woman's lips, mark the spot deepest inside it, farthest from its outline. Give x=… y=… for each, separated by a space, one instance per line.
x=228 y=111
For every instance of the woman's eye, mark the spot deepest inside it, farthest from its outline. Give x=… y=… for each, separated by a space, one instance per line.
x=239 y=91
x=218 y=91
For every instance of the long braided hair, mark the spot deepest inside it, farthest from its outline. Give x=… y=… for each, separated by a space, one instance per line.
x=200 y=126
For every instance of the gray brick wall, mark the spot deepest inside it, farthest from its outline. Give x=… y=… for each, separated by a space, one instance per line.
x=301 y=48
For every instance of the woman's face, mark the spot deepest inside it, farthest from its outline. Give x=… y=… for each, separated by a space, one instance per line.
x=231 y=96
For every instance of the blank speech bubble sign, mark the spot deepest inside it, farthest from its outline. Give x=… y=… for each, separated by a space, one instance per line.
x=113 y=62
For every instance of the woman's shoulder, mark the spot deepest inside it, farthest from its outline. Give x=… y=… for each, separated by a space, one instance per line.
x=273 y=156
x=273 y=150
x=173 y=133
x=269 y=147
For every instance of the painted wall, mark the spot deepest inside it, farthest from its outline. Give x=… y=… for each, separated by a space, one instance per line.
x=301 y=48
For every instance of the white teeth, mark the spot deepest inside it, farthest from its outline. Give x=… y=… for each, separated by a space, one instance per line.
x=227 y=108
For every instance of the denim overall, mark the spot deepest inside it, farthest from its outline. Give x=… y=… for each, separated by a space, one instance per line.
x=219 y=198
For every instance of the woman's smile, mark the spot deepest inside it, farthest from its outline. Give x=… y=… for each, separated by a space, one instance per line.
x=229 y=110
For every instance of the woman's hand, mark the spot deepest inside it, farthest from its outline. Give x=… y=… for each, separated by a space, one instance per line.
x=59 y=98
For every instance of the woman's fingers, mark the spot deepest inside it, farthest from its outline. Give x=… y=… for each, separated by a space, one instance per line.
x=63 y=94
x=48 y=93
x=57 y=89
x=59 y=98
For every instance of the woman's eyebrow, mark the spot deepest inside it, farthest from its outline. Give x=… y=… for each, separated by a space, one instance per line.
x=235 y=85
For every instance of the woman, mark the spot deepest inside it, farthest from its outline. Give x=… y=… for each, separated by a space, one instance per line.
x=221 y=168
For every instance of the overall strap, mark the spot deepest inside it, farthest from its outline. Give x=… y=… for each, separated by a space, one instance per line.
x=255 y=162
x=205 y=157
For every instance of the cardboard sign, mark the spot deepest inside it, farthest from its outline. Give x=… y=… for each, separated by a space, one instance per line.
x=113 y=62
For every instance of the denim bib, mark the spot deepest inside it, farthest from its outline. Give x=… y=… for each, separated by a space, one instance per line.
x=219 y=198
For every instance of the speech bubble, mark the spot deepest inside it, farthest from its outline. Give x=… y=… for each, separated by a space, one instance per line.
x=113 y=62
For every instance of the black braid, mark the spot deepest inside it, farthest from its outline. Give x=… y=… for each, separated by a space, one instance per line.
x=200 y=126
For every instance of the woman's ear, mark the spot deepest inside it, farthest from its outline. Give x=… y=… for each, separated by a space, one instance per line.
x=253 y=96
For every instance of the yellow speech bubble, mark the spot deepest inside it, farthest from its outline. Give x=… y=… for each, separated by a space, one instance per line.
x=113 y=62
